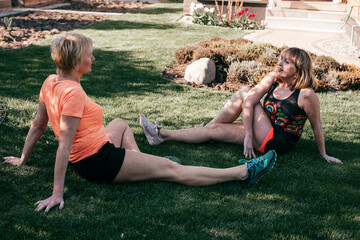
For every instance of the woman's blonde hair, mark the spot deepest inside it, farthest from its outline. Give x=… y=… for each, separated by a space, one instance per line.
x=66 y=51
x=304 y=77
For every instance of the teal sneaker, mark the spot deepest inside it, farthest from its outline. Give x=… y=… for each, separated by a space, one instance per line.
x=257 y=167
x=174 y=159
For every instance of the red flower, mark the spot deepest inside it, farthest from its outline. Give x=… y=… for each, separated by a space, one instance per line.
x=254 y=14
x=241 y=13
x=246 y=9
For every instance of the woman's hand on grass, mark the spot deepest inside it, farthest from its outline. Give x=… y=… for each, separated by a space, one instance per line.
x=332 y=159
x=12 y=160
x=248 y=147
x=49 y=203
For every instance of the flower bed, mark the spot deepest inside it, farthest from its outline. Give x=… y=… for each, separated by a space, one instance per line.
x=241 y=18
x=228 y=12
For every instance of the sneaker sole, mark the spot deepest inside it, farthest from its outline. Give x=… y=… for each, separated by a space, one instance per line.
x=148 y=137
x=266 y=171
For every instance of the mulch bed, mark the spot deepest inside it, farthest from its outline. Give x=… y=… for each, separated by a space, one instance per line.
x=105 y=6
x=30 y=27
x=176 y=72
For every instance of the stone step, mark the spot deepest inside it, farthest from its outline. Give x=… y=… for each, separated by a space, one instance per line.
x=314 y=6
x=305 y=24
x=294 y=13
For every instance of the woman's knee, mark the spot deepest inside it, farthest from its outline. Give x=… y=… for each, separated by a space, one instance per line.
x=240 y=95
x=119 y=122
x=177 y=173
x=115 y=130
x=213 y=130
x=117 y=125
x=242 y=92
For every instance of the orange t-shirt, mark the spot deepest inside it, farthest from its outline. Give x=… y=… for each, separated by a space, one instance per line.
x=68 y=98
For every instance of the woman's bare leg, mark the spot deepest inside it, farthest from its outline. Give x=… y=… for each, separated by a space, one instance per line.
x=140 y=166
x=121 y=135
x=232 y=109
x=222 y=132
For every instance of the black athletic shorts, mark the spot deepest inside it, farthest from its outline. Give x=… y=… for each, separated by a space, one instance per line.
x=103 y=166
x=278 y=143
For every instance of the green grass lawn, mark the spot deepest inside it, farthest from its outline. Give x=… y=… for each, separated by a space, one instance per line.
x=303 y=197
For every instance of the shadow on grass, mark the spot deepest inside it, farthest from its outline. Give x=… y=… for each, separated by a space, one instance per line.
x=110 y=24
x=112 y=73
x=156 y=11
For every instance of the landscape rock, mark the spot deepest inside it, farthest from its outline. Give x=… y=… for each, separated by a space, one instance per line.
x=202 y=71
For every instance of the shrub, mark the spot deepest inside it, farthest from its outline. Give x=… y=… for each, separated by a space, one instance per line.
x=241 y=61
x=202 y=52
x=349 y=80
x=349 y=67
x=246 y=56
x=330 y=81
x=205 y=44
x=325 y=63
x=239 y=41
x=184 y=54
x=257 y=48
x=246 y=72
x=270 y=56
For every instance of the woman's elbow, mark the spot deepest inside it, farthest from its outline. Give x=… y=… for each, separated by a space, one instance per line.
x=38 y=128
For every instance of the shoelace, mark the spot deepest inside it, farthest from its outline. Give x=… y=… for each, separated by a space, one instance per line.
x=255 y=161
x=243 y=161
x=157 y=127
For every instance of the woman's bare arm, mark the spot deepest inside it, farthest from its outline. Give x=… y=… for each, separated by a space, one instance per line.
x=253 y=97
x=309 y=101
x=68 y=127
x=37 y=128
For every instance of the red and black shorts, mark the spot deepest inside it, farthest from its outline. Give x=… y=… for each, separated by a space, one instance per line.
x=275 y=141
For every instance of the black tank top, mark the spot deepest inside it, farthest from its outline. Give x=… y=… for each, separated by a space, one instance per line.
x=286 y=116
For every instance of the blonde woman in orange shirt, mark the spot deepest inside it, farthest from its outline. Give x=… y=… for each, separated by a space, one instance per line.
x=105 y=154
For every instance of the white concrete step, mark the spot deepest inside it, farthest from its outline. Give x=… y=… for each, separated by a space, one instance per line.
x=306 y=24
x=295 y=13
x=314 y=6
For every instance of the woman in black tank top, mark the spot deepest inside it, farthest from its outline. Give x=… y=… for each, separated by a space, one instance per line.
x=277 y=124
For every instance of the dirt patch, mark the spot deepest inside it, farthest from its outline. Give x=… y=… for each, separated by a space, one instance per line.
x=105 y=6
x=30 y=27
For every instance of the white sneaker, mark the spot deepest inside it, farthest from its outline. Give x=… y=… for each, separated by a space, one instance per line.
x=151 y=130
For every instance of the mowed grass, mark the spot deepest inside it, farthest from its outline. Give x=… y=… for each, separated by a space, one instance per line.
x=303 y=197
